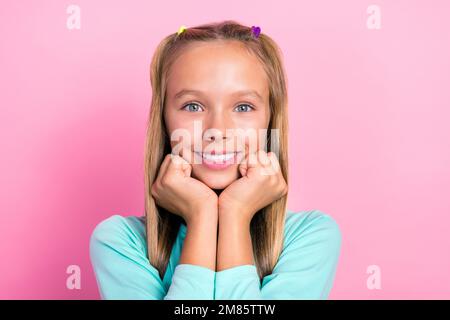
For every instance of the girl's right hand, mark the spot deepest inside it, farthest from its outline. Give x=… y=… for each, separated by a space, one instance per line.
x=175 y=190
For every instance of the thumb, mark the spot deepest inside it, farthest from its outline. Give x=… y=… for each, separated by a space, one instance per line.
x=179 y=165
x=243 y=165
x=243 y=168
x=187 y=169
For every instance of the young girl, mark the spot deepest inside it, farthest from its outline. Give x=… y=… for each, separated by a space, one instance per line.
x=216 y=224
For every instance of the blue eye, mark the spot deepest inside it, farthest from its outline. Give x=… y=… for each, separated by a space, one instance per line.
x=246 y=108
x=192 y=107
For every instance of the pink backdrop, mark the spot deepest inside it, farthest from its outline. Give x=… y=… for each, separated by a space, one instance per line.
x=369 y=114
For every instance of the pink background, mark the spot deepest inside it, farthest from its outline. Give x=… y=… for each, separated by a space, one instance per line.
x=369 y=128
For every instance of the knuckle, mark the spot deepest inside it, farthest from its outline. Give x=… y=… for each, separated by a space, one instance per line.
x=284 y=189
x=165 y=180
x=154 y=189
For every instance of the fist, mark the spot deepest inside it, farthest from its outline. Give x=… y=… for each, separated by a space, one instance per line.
x=175 y=190
x=262 y=183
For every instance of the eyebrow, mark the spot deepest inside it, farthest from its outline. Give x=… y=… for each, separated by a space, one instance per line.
x=253 y=93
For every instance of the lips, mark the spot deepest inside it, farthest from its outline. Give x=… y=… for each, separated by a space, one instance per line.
x=217 y=157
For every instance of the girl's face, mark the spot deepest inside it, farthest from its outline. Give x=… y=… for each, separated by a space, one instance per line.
x=214 y=89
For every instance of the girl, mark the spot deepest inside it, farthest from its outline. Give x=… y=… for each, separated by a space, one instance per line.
x=216 y=224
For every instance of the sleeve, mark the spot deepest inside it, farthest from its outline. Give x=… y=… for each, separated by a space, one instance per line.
x=305 y=269
x=123 y=271
x=191 y=282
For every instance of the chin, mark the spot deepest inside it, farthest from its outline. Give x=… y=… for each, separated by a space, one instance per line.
x=216 y=179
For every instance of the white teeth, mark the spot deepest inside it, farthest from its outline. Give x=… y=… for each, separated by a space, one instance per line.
x=218 y=157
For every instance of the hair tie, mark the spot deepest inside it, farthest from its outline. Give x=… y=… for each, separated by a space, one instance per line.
x=256 y=31
x=181 y=29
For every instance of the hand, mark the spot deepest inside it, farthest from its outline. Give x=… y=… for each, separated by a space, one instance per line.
x=175 y=190
x=262 y=183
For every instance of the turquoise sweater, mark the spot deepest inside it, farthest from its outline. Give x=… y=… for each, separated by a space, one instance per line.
x=305 y=268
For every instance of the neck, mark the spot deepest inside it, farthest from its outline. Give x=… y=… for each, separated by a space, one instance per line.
x=218 y=191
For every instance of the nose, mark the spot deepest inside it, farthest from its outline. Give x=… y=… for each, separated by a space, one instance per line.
x=216 y=126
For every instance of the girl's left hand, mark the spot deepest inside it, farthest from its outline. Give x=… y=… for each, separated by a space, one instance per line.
x=262 y=183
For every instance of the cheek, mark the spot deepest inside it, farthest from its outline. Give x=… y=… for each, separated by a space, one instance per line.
x=180 y=130
x=256 y=120
x=255 y=129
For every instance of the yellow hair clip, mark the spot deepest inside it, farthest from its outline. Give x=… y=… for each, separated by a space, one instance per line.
x=181 y=30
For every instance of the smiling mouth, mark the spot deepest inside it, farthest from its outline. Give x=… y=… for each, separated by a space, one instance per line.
x=218 y=158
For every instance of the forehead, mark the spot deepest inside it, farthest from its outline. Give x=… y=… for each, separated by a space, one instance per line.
x=217 y=67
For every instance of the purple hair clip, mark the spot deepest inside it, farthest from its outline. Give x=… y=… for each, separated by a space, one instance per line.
x=256 y=31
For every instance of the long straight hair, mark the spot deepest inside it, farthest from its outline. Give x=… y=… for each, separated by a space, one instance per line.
x=267 y=225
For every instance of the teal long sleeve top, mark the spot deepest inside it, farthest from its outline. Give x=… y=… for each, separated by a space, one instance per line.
x=305 y=269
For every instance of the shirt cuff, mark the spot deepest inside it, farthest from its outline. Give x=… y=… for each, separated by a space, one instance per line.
x=241 y=282
x=191 y=282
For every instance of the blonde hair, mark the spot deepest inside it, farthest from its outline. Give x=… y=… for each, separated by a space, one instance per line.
x=267 y=225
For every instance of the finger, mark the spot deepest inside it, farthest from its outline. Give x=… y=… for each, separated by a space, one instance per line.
x=179 y=166
x=252 y=160
x=180 y=155
x=265 y=164
x=274 y=160
x=263 y=159
x=243 y=168
x=186 y=154
x=181 y=162
x=187 y=169
x=273 y=167
x=177 y=163
x=243 y=159
x=186 y=165
x=242 y=165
